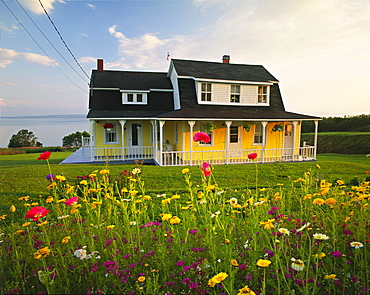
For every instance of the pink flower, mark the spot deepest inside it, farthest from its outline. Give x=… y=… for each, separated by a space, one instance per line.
x=44 y=156
x=206 y=169
x=36 y=213
x=71 y=201
x=201 y=136
x=252 y=156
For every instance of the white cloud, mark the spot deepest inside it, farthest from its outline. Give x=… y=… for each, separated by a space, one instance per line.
x=35 y=6
x=2 y=102
x=87 y=60
x=91 y=5
x=8 y=56
x=144 y=52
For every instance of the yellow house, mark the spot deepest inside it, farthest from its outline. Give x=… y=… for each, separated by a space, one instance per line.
x=153 y=116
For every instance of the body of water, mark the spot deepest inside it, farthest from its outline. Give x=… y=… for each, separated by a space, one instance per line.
x=49 y=129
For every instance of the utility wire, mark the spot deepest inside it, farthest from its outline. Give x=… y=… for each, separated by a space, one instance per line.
x=61 y=38
x=41 y=47
x=50 y=41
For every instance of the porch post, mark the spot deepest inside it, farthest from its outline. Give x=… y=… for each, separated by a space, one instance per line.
x=228 y=124
x=191 y=124
x=123 y=122
x=315 y=140
x=154 y=140
x=264 y=124
x=161 y=124
x=92 y=139
x=295 y=123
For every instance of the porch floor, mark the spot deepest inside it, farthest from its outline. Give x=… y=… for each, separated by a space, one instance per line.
x=82 y=156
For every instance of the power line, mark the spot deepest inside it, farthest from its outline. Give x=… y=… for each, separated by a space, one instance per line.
x=61 y=38
x=50 y=41
x=41 y=47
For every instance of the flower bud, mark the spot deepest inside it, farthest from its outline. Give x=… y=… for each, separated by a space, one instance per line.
x=12 y=208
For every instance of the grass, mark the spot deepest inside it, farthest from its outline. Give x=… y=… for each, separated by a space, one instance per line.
x=357 y=159
x=338 y=133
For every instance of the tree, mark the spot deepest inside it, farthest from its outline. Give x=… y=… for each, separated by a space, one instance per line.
x=75 y=139
x=24 y=138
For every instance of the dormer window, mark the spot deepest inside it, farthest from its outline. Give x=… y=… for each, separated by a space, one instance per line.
x=129 y=97
x=262 y=94
x=235 y=93
x=206 y=92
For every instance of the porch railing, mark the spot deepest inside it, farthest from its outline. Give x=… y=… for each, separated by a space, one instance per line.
x=185 y=158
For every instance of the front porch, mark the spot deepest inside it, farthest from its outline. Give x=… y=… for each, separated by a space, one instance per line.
x=123 y=155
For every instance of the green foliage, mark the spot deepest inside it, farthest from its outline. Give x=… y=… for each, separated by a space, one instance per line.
x=75 y=139
x=24 y=138
x=339 y=144
x=360 y=123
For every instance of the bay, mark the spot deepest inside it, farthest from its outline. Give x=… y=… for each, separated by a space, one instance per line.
x=50 y=129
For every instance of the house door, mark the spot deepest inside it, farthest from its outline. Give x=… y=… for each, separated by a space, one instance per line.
x=288 y=143
x=134 y=139
x=235 y=142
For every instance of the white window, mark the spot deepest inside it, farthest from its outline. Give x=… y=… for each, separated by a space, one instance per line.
x=235 y=94
x=111 y=134
x=206 y=92
x=134 y=98
x=258 y=130
x=262 y=94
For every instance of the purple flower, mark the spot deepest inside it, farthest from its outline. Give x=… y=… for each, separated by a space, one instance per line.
x=193 y=231
x=347 y=232
x=50 y=177
x=180 y=263
x=336 y=253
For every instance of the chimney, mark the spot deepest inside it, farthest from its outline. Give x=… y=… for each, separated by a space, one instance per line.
x=226 y=59
x=100 y=65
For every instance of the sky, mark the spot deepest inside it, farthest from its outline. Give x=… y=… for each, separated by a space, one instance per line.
x=319 y=50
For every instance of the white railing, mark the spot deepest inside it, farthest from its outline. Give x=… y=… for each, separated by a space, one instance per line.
x=185 y=158
x=122 y=154
x=85 y=141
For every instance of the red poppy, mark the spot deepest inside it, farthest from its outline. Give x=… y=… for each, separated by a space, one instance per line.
x=44 y=156
x=201 y=136
x=252 y=156
x=206 y=169
x=36 y=213
x=71 y=201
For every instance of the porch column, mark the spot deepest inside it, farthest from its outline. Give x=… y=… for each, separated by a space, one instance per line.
x=152 y=134
x=228 y=124
x=191 y=124
x=315 y=139
x=161 y=124
x=264 y=124
x=295 y=123
x=123 y=122
x=92 y=139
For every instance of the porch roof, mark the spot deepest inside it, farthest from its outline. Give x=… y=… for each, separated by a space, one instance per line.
x=200 y=114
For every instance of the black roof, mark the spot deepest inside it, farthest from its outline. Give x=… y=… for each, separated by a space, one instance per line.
x=222 y=71
x=130 y=80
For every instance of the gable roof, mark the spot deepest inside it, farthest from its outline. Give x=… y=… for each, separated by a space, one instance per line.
x=222 y=71
x=130 y=80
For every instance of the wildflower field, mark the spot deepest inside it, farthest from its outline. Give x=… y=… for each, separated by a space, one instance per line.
x=106 y=234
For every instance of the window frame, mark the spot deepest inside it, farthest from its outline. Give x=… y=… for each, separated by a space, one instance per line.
x=113 y=132
x=135 y=95
x=235 y=94
x=259 y=134
x=210 y=133
x=206 y=92
x=263 y=94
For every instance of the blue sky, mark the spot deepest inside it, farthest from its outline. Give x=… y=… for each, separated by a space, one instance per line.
x=318 y=50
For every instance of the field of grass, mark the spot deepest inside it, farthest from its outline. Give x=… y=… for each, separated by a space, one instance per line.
x=284 y=228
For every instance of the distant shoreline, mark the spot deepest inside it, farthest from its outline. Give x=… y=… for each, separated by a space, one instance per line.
x=47 y=116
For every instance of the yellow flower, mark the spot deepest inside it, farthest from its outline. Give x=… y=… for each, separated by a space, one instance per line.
x=24 y=198
x=110 y=226
x=12 y=208
x=318 y=166
x=166 y=217
x=277 y=196
x=307 y=197
x=234 y=262
x=246 y=291
x=330 y=201
x=42 y=223
x=35 y=204
x=124 y=190
x=330 y=277
x=61 y=201
x=141 y=279
x=49 y=199
x=217 y=279
x=233 y=201
x=104 y=171
x=136 y=170
x=69 y=189
x=26 y=224
x=60 y=178
x=175 y=220
x=263 y=263
x=340 y=182
x=318 y=201
x=66 y=239
x=166 y=201
x=186 y=170
x=19 y=231
x=41 y=253
x=133 y=179
x=268 y=224
x=227 y=241
x=320 y=255
x=146 y=197
x=174 y=197
x=74 y=210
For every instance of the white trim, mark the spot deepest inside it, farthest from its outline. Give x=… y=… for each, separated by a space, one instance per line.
x=135 y=102
x=97 y=88
x=135 y=91
x=229 y=81
x=162 y=90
